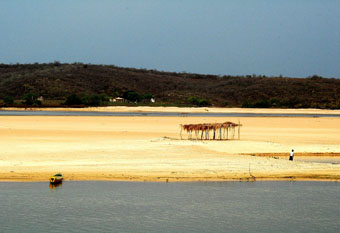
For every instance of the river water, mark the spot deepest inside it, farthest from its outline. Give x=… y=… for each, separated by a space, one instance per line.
x=263 y=206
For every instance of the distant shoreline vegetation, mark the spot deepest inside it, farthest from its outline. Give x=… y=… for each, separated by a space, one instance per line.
x=81 y=85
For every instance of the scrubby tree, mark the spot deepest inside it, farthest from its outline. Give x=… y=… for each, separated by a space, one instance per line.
x=147 y=96
x=104 y=98
x=132 y=96
x=31 y=99
x=73 y=100
x=8 y=100
x=197 y=101
x=94 y=100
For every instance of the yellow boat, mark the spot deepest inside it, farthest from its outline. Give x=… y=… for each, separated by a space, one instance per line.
x=56 y=179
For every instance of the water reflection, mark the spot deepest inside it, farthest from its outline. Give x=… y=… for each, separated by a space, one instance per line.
x=55 y=186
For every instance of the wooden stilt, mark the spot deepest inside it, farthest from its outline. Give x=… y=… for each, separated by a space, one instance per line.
x=226 y=130
x=180 y=133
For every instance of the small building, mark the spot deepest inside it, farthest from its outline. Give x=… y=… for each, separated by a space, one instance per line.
x=117 y=100
x=40 y=98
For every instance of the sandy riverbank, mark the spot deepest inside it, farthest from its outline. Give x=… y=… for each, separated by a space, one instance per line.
x=150 y=149
x=184 y=110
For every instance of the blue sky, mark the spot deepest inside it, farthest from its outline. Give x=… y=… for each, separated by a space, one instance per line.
x=294 y=38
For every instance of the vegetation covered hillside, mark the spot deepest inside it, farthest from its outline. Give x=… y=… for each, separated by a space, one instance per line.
x=94 y=84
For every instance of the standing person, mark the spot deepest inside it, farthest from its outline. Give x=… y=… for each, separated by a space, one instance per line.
x=291 y=155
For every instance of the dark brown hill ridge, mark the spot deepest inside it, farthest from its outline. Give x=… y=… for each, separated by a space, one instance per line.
x=58 y=81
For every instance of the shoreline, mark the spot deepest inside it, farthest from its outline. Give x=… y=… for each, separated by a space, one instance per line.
x=180 y=180
x=300 y=154
x=184 y=181
x=179 y=110
x=247 y=171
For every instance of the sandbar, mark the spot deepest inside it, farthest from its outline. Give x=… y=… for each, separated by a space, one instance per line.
x=150 y=148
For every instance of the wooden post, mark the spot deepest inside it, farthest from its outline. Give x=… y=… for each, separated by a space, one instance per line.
x=180 y=133
x=239 y=130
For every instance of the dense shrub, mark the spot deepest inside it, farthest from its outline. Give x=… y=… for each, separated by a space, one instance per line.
x=8 y=100
x=132 y=96
x=276 y=103
x=73 y=100
x=31 y=99
x=147 y=96
x=94 y=100
x=198 y=102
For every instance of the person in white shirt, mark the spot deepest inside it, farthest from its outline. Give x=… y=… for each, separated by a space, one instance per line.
x=291 y=155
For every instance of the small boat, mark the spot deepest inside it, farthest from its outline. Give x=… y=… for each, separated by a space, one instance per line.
x=56 y=179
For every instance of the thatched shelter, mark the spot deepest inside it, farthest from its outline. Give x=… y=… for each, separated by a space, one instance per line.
x=212 y=131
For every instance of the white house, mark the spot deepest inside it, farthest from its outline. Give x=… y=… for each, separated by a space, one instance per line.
x=117 y=100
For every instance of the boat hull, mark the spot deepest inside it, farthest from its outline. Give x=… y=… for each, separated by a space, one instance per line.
x=56 y=180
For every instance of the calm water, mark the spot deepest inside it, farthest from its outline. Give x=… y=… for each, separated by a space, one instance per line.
x=170 y=207
x=207 y=114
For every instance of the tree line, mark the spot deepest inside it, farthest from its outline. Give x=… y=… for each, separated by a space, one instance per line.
x=91 y=85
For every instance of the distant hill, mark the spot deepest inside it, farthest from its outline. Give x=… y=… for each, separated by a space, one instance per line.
x=57 y=81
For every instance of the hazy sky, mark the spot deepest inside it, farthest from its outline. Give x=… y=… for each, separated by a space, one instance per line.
x=294 y=38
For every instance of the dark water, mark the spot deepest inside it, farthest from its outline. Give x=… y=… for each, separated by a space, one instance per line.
x=170 y=207
x=165 y=114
